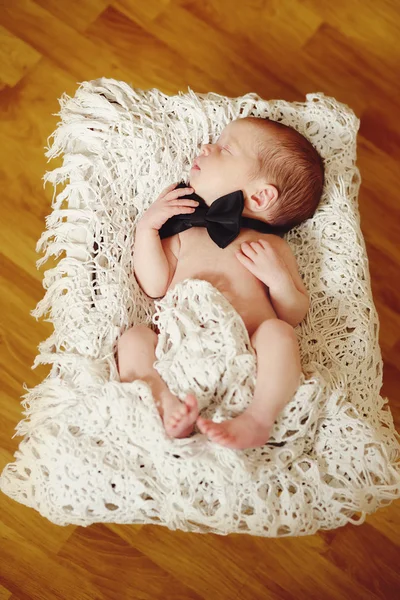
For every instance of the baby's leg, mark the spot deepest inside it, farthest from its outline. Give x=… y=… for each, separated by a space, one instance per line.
x=278 y=377
x=136 y=356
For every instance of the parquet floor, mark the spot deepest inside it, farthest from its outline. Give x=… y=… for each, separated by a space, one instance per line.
x=280 y=49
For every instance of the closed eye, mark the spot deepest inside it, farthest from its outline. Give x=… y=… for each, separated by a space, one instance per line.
x=226 y=148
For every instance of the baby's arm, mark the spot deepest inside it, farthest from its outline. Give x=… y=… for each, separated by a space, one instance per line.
x=275 y=265
x=289 y=303
x=152 y=268
x=289 y=296
x=154 y=260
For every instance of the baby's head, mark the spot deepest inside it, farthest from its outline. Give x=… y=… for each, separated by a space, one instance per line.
x=279 y=171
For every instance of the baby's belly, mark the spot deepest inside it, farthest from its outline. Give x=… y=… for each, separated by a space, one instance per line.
x=247 y=294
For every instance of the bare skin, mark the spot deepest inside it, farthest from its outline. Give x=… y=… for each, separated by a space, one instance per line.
x=181 y=420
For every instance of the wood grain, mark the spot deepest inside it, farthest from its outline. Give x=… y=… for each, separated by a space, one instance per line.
x=279 y=49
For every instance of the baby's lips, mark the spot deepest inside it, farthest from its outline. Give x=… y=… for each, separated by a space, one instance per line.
x=195 y=164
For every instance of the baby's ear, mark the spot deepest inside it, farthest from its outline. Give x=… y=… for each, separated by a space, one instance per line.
x=264 y=198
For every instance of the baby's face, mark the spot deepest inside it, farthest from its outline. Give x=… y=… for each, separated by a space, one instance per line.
x=227 y=165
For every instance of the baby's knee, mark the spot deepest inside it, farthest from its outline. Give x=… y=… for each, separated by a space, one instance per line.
x=138 y=334
x=274 y=328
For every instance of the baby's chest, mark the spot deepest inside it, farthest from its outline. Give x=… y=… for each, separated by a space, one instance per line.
x=198 y=251
x=201 y=258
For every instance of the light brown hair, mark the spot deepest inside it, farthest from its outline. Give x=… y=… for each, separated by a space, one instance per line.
x=294 y=167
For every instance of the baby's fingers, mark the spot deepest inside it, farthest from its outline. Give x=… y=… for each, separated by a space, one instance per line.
x=178 y=192
x=183 y=202
x=168 y=189
x=179 y=210
x=245 y=260
x=248 y=250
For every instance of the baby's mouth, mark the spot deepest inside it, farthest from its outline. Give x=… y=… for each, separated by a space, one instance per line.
x=195 y=166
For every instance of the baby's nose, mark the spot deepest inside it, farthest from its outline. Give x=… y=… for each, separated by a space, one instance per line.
x=206 y=148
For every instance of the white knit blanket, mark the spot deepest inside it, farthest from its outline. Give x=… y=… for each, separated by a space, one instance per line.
x=94 y=449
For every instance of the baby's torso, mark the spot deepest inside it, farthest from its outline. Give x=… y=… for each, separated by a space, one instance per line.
x=201 y=258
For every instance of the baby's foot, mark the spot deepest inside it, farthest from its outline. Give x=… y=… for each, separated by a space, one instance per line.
x=244 y=431
x=180 y=422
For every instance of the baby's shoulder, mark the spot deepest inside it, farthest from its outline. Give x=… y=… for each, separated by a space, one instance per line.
x=271 y=238
x=280 y=244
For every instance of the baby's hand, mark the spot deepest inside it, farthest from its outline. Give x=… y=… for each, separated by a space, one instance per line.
x=167 y=205
x=261 y=259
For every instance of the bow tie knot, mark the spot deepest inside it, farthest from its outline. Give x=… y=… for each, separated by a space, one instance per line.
x=222 y=219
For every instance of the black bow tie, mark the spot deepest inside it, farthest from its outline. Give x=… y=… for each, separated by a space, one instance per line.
x=223 y=219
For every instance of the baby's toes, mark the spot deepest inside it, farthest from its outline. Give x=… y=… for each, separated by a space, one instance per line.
x=204 y=424
x=191 y=402
x=217 y=435
x=176 y=417
x=182 y=411
x=214 y=431
x=171 y=422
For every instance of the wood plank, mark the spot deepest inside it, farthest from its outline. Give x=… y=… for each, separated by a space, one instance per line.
x=78 y=14
x=378 y=198
x=195 y=40
x=118 y=569
x=381 y=127
x=40 y=533
x=72 y=52
x=373 y=26
x=4 y=593
x=134 y=45
x=210 y=564
x=355 y=74
x=349 y=551
x=261 y=23
x=294 y=565
x=40 y=574
x=386 y=520
x=16 y=58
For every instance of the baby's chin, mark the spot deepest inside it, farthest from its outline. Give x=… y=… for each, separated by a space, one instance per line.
x=203 y=190
x=193 y=180
x=203 y=193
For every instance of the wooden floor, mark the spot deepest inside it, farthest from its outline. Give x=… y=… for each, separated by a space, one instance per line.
x=280 y=49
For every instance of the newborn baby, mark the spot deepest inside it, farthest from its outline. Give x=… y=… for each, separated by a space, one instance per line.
x=279 y=176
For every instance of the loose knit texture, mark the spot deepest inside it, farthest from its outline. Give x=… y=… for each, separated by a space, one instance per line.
x=94 y=449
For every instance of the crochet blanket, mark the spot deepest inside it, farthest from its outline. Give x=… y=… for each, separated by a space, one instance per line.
x=93 y=448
